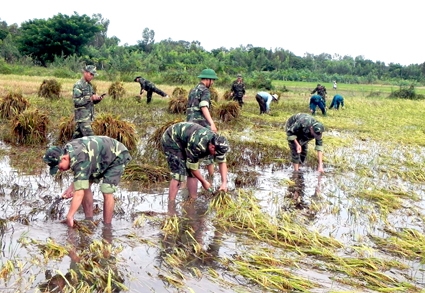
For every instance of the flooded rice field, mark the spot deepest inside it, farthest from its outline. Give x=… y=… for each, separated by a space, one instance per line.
x=352 y=229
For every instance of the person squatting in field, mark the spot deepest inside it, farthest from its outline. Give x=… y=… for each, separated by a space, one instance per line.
x=264 y=100
x=149 y=87
x=199 y=105
x=91 y=158
x=84 y=99
x=300 y=129
x=337 y=101
x=185 y=144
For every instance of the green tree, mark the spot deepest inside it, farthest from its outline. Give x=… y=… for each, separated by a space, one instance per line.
x=61 y=35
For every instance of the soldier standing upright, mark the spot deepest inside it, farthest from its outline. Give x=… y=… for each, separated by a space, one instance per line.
x=199 y=105
x=84 y=99
x=238 y=90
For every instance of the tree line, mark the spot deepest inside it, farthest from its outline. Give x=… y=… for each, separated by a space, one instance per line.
x=65 y=42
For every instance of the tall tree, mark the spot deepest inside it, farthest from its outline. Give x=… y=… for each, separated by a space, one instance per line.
x=61 y=35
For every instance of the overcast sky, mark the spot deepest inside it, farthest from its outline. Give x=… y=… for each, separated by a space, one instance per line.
x=387 y=31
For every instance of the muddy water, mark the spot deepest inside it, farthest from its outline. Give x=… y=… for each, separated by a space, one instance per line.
x=327 y=200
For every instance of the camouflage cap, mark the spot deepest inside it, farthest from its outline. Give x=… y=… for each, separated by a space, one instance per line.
x=239 y=75
x=317 y=130
x=52 y=158
x=91 y=69
x=221 y=145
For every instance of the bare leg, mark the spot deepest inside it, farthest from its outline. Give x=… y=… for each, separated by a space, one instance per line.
x=173 y=189
x=210 y=169
x=296 y=166
x=87 y=203
x=192 y=186
x=108 y=207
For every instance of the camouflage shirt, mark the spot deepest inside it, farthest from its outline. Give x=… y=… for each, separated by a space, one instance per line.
x=199 y=97
x=90 y=156
x=298 y=127
x=191 y=141
x=238 y=89
x=145 y=85
x=83 y=105
x=321 y=90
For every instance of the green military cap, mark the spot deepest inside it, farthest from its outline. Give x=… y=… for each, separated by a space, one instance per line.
x=52 y=158
x=91 y=69
x=208 y=74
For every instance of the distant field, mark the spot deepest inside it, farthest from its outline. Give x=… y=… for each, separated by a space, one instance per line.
x=350 y=89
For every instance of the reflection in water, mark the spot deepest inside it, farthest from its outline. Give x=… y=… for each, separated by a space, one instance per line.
x=296 y=193
x=187 y=236
x=92 y=263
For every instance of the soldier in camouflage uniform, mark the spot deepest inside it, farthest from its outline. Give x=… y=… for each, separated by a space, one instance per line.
x=321 y=91
x=300 y=129
x=90 y=158
x=149 y=87
x=238 y=90
x=185 y=144
x=198 y=107
x=84 y=100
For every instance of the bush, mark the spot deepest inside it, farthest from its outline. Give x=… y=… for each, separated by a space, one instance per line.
x=406 y=93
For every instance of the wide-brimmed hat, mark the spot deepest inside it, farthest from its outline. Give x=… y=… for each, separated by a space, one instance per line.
x=275 y=97
x=52 y=158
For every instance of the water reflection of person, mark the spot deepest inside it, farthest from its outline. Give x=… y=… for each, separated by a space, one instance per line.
x=191 y=233
x=296 y=191
x=81 y=259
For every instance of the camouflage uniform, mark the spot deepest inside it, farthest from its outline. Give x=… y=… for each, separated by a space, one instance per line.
x=84 y=108
x=150 y=88
x=298 y=128
x=199 y=97
x=96 y=157
x=321 y=91
x=185 y=144
x=238 y=90
x=317 y=101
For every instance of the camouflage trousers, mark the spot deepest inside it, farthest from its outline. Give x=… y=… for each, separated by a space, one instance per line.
x=177 y=164
x=239 y=100
x=82 y=129
x=112 y=175
x=298 y=158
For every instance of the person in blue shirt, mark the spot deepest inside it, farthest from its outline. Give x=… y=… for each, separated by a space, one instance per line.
x=264 y=100
x=317 y=101
x=337 y=101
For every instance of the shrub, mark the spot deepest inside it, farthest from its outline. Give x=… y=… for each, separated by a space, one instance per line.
x=406 y=93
